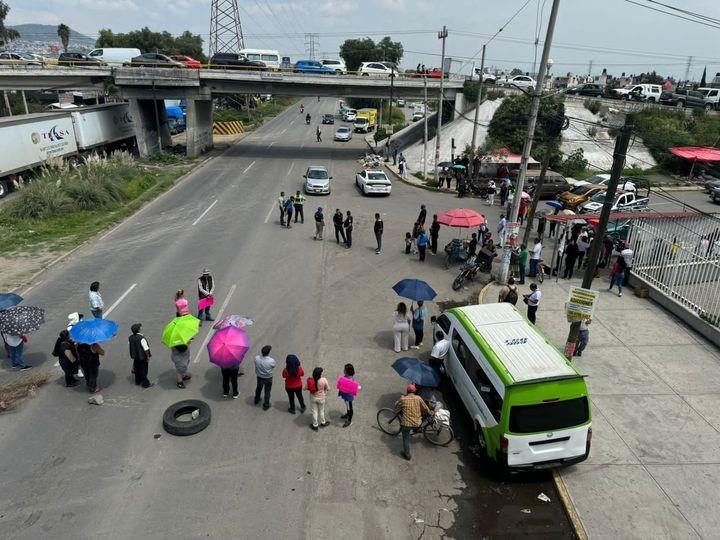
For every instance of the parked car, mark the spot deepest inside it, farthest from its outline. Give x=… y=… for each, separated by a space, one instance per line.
x=177 y=124
x=624 y=202
x=187 y=61
x=33 y=57
x=488 y=78
x=554 y=183
x=373 y=182
x=17 y=59
x=434 y=73
x=715 y=193
x=235 y=61
x=602 y=180
x=337 y=65
x=400 y=102
x=328 y=118
x=682 y=97
x=417 y=115
x=343 y=134
x=78 y=59
x=640 y=92
x=155 y=60
x=374 y=68
x=520 y=81
x=317 y=180
x=578 y=195
x=312 y=66
x=588 y=89
x=712 y=97
x=114 y=56
x=712 y=184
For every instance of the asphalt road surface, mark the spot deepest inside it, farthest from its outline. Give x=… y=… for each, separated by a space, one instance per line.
x=74 y=470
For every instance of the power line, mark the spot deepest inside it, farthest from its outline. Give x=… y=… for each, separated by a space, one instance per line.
x=695 y=20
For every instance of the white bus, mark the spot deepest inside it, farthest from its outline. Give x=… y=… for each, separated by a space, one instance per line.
x=270 y=58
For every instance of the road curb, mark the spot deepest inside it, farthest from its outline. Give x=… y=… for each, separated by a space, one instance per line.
x=570 y=510
x=484 y=290
x=657 y=189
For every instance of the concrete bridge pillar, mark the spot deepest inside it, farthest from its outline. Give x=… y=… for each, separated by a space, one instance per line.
x=460 y=106
x=150 y=118
x=199 y=131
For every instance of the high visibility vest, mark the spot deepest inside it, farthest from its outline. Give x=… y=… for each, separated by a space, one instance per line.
x=299 y=199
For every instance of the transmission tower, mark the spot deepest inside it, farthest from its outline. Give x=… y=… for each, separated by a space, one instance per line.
x=312 y=42
x=225 y=29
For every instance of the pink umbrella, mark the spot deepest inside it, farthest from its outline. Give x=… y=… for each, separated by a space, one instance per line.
x=461 y=217
x=233 y=320
x=228 y=347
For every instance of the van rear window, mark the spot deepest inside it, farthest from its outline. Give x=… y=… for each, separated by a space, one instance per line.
x=549 y=416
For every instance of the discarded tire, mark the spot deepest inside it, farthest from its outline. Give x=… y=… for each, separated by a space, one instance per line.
x=182 y=428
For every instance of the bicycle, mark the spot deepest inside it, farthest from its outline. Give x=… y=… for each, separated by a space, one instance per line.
x=540 y=271
x=435 y=428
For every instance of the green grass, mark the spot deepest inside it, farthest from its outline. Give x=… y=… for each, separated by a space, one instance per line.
x=265 y=110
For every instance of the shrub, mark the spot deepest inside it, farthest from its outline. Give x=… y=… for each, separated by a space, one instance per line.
x=592 y=131
x=380 y=134
x=87 y=195
x=492 y=95
x=574 y=164
x=592 y=105
x=41 y=198
x=162 y=157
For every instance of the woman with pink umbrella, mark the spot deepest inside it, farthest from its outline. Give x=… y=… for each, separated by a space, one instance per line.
x=227 y=349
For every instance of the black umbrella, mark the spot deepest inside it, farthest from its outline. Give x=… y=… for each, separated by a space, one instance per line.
x=21 y=320
x=445 y=164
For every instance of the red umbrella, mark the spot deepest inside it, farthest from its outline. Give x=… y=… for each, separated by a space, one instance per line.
x=461 y=217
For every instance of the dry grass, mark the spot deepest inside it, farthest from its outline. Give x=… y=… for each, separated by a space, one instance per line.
x=10 y=394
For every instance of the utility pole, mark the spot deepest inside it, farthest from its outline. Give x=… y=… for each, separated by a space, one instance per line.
x=687 y=68
x=479 y=99
x=590 y=68
x=536 y=196
x=225 y=28
x=24 y=99
x=532 y=120
x=311 y=45
x=425 y=137
x=442 y=34
x=619 y=155
x=387 y=139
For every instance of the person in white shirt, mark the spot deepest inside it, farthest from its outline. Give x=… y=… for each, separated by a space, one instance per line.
x=629 y=257
x=533 y=301
x=96 y=301
x=583 y=244
x=16 y=345
x=535 y=257
x=439 y=350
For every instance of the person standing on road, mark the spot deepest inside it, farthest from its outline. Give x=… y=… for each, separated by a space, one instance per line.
x=264 y=367
x=535 y=257
x=522 y=262
x=89 y=357
x=140 y=354
x=572 y=252
x=629 y=258
x=522 y=210
x=348 y=398
x=16 y=345
x=289 y=206
x=299 y=203
x=503 y=194
x=378 y=228
x=338 y=224
x=583 y=337
x=422 y=242
x=348 y=226
x=318 y=387
x=422 y=215
x=533 y=301
x=319 y=224
x=318 y=134
x=439 y=351
x=181 y=304
x=434 y=233
x=281 y=206
x=491 y=192
x=67 y=357
x=412 y=407
x=180 y=356
x=96 y=301
x=206 y=289
x=419 y=314
x=509 y=292
x=401 y=328
x=583 y=245
x=394 y=148
x=617 y=274
x=501 y=230
x=293 y=374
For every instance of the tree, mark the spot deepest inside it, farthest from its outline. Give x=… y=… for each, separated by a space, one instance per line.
x=516 y=71
x=6 y=34
x=148 y=41
x=357 y=51
x=63 y=31
x=574 y=164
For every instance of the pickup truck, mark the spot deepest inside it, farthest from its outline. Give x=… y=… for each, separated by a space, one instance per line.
x=682 y=97
x=712 y=97
x=625 y=201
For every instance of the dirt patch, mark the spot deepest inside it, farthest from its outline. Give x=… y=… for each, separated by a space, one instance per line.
x=16 y=269
x=12 y=393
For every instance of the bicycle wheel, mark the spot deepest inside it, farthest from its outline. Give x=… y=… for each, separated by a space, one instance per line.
x=389 y=421
x=438 y=433
x=540 y=276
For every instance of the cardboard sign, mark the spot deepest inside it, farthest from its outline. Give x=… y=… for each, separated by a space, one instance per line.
x=580 y=305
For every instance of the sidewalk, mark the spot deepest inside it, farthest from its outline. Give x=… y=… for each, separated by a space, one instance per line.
x=654 y=467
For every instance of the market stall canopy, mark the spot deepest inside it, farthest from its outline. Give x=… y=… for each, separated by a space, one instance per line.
x=503 y=155
x=696 y=153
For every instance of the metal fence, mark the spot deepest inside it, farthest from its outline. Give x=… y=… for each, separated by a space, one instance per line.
x=681 y=258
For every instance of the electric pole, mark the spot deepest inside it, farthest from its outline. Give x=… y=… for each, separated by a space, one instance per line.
x=479 y=99
x=225 y=28
x=311 y=45
x=619 y=154
x=511 y=238
x=687 y=69
x=442 y=34
x=590 y=68
x=387 y=139
x=425 y=117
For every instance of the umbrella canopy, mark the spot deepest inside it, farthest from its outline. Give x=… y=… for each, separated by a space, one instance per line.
x=93 y=331
x=416 y=371
x=8 y=300
x=233 y=320
x=567 y=213
x=555 y=204
x=461 y=217
x=228 y=346
x=445 y=164
x=525 y=195
x=414 y=289
x=21 y=320
x=180 y=330
x=458 y=166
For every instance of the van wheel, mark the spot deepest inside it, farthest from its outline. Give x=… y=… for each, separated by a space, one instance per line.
x=486 y=461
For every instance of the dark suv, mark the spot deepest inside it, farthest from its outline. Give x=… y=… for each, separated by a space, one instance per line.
x=682 y=97
x=78 y=59
x=554 y=183
x=588 y=89
x=235 y=61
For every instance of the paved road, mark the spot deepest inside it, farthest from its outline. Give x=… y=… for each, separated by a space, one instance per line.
x=72 y=470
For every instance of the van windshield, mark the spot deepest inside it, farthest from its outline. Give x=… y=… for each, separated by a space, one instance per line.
x=549 y=416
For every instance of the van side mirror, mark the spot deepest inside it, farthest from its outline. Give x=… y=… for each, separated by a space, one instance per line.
x=330 y=178
x=433 y=319
x=304 y=175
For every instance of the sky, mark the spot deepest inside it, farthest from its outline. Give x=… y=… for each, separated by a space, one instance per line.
x=613 y=34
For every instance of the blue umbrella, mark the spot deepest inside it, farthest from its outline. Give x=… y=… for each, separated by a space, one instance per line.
x=93 y=331
x=414 y=289
x=8 y=300
x=555 y=204
x=416 y=371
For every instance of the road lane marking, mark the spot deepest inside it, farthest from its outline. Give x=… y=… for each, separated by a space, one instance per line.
x=290 y=169
x=248 y=167
x=272 y=207
x=205 y=212
x=269 y=145
x=283 y=131
x=217 y=316
x=30 y=288
x=117 y=302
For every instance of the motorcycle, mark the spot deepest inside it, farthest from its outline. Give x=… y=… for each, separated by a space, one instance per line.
x=469 y=270
x=307 y=119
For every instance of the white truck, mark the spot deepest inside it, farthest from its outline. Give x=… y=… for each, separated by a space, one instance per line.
x=102 y=124
x=712 y=97
x=625 y=201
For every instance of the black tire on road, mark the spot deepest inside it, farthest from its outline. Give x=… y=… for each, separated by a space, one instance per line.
x=389 y=421
x=3 y=189
x=438 y=434
x=458 y=282
x=181 y=429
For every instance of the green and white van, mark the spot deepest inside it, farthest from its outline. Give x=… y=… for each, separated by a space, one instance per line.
x=528 y=402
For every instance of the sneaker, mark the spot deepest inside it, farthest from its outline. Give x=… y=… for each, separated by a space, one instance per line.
x=97 y=390
x=72 y=385
x=619 y=294
x=235 y=396
x=209 y=319
x=325 y=424
x=414 y=347
x=256 y=401
x=148 y=385
x=24 y=368
x=579 y=353
x=314 y=428
x=226 y=396
x=347 y=423
x=344 y=416
x=302 y=409
x=266 y=407
x=187 y=377
x=404 y=455
x=291 y=410
x=180 y=385
x=79 y=375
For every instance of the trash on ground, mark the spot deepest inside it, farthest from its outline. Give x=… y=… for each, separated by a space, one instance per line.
x=97 y=399
x=157 y=436
x=543 y=497
x=526 y=511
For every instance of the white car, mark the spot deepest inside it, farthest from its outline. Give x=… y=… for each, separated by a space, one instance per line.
x=337 y=65
x=374 y=68
x=401 y=102
x=349 y=115
x=486 y=77
x=417 y=115
x=519 y=81
x=373 y=182
x=343 y=133
x=602 y=180
x=317 y=180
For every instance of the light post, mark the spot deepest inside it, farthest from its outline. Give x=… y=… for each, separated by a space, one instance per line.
x=442 y=34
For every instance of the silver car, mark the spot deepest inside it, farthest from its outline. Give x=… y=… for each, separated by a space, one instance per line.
x=343 y=134
x=317 y=180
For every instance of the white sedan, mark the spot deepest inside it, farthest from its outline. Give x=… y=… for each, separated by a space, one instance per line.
x=374 y=68
x=373 y=182
x=520 y=81
x=343 y=134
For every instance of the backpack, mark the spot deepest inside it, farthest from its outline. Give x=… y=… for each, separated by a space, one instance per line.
x=511 y=297
x=311 y=386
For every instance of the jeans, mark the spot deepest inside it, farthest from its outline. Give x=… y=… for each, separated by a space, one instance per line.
x=230 y=376
x=16 y=355
x=522 y=274
x=267 y=385
x=292 y=394
x=140 y=367
x=299 y=213
x=90 y=369
x=533 y=267
x=282 y=216
x=206 y=311
x=378 y=239
x=348 y=237
x=618 y=280
x=421 y=251
x=569 y=267
x=317 y=406
x=339 y=233
x=319 y=226
x=583 y=340
x=532 y=310
x=97 y=312
x=419 y=334
x=406 y=434
x=288 y=216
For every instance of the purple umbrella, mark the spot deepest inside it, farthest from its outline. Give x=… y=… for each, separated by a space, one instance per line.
x=228 y=347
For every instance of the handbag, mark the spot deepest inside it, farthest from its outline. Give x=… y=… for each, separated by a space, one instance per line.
x=525 y=300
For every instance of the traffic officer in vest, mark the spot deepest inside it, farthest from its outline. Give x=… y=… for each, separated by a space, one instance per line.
x=299 y=202
x=140 y=354
x=206 y=289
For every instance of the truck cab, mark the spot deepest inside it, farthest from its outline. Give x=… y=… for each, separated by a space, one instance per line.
x=625 y=201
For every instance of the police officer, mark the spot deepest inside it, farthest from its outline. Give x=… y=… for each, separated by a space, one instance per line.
x=299 y=202
x=140 y=354
x=338 y=223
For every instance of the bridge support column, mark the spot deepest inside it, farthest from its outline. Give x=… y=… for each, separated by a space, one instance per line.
x=460 y=106
x=199 y=118
x=150 y=117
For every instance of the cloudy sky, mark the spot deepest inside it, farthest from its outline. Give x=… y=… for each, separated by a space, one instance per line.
x=616 y=34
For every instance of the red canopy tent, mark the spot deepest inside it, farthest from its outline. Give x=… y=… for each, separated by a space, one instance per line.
x=695 y=154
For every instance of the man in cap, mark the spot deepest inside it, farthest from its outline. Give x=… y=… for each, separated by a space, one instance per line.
x=319 y=224
x=206 y=289
x=140 y=354
x=412 y=408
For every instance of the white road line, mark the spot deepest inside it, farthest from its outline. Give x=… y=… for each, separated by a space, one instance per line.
x=248 y=167
x=217 y=316
x=31 y=287
x=117 y=302
x=272 y=207
x=269 y=145
x=203 y=214
x=283 y=131
x=290 y=169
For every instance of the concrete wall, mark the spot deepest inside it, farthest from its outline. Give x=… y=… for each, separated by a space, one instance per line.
x=199 y=118
x=150 y=116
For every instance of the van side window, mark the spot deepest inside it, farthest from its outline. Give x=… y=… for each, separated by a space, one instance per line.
x=477 y=375
x=461 y=351
x=444 y=323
